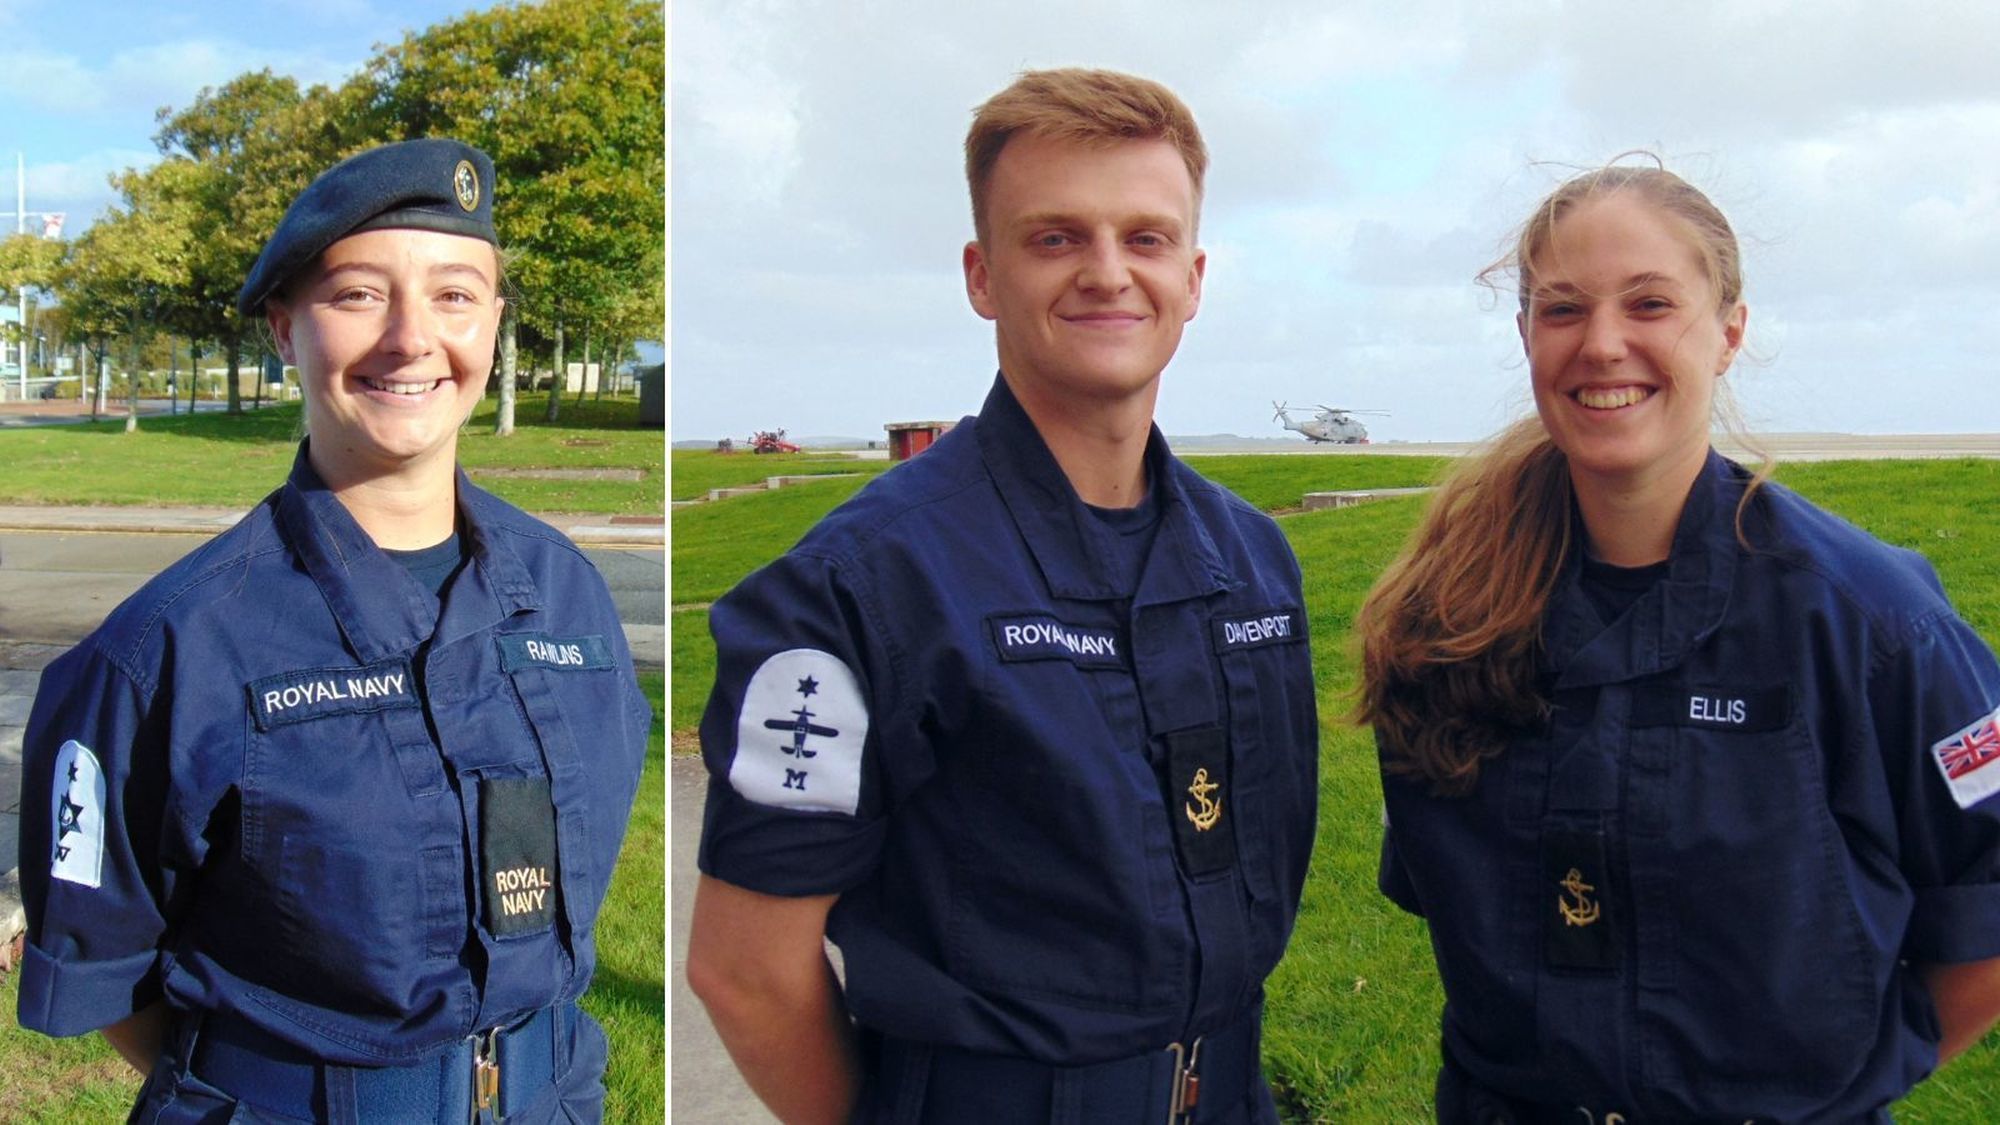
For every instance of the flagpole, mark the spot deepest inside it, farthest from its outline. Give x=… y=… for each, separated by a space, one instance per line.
x=21 y=291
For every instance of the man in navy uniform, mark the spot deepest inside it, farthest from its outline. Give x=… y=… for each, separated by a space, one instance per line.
x=1027 y=727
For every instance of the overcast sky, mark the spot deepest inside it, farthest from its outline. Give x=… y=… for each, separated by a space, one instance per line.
x=1367 y=159
x=81 y=82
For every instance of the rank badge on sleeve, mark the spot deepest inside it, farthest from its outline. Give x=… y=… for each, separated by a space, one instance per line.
x=77 y=816
x=800 y=733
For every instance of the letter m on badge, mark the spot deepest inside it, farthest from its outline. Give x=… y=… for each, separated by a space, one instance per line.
x=1970 y=761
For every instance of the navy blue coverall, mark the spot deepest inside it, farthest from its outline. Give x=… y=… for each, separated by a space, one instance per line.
x=1763 y=797
x=1068 y=822
x=338 y=825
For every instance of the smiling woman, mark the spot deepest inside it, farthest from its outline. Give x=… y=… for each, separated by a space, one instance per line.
x=317 y=825
x=392 y=332
x=1694 y=783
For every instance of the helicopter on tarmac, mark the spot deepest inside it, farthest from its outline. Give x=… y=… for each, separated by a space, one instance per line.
x=1331 y=424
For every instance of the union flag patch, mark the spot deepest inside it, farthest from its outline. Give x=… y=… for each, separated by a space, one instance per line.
x=1967 y=761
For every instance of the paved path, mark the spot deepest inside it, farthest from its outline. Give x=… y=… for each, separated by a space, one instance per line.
x=706 y=1087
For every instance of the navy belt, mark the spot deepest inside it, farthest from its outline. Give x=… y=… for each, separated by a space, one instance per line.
x=1204 y=1079
x=495 y=1072
x=1462 y=1100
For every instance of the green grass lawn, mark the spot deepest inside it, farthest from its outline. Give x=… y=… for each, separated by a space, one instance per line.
x=233 y=461
x=61 y=1081
x=1351 y=1032
x=695 y=471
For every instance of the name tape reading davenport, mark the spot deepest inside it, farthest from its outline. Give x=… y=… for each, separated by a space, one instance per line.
x=315 y=693
x=1254 y=630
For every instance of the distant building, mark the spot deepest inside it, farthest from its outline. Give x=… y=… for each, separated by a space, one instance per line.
x=907 y=439
x=12 y=345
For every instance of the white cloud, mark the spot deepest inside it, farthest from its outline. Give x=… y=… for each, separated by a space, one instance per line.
x=1367 y=161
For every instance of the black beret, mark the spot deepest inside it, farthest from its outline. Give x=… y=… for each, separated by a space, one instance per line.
x=432 y=184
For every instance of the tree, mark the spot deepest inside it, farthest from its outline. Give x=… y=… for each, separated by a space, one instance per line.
x=568 y=97
x=28 y=262
x=251 y=145
x=132 y=263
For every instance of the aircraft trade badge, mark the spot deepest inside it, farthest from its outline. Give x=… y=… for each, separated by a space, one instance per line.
x=799 y=734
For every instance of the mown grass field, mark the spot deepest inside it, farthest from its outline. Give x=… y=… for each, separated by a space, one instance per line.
x=695 y=471
x=233 y=461
x=1351 y=1029
x=63 y=1081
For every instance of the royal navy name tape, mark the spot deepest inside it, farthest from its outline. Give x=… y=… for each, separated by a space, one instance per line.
x=1255 y=630
x=1968 y=758
x=1038 y=636
x=315 y=693
x=564 y=654
x=1713 y=708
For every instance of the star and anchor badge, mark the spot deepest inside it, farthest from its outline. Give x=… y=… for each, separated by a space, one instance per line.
x=76 y=807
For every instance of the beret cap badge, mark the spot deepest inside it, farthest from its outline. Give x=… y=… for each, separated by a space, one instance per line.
x=465 y=185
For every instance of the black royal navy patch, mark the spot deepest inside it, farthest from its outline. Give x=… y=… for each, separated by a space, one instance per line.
x=1040 y=636
x=517 y=854
x=315 y=693
x=563 y=654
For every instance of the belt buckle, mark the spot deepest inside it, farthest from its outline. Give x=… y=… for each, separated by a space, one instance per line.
x=1186 y=1093
x=486 y=1074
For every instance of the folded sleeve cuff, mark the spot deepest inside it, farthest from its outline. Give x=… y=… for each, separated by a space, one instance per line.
x=72 y=997
x=1955 y=924
x=791 y=854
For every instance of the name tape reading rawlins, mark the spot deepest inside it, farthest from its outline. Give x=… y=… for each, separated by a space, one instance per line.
x=315 y=693
x=1039 y=636
x=565 y=654
x=1254 y=630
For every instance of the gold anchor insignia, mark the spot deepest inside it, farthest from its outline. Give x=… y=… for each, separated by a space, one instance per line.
x=1585 y=911
x=1211 y=811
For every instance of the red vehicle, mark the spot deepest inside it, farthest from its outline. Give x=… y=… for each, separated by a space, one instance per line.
x=771 y=441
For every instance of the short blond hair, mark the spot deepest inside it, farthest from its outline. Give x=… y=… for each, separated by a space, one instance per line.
x=1078 y=104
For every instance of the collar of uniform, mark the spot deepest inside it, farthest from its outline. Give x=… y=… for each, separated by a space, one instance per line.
x=380 y=609
x=1071 y=546
x=495 y=584
x=1672 y=618
x=483 y=513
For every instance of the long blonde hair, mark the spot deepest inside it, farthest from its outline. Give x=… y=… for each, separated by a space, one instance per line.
x=1451 y=635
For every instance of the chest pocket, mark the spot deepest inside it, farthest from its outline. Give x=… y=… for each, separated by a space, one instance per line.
x=1273 y=729
x=569 y=691
x=353 y=833
x=1753 y=957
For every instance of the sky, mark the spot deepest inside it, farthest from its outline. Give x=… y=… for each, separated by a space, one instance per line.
x=80 y=94
x=1367 y=160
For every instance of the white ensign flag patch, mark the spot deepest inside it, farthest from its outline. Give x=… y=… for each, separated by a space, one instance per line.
x=1970 y=761
x=76 y=812
x=799 y=735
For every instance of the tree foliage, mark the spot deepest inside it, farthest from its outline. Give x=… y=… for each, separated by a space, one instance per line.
x=567 y=96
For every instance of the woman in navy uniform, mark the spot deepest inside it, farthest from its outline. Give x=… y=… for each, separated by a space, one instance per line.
x=1690 y=779
x=316 y=825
